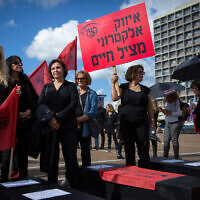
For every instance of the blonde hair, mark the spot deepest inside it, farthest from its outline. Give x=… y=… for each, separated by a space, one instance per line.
x=87 y=76
x=3 y=68
x=110 y=108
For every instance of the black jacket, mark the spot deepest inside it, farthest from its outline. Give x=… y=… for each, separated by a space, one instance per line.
x=40 y=138
x=62 y=102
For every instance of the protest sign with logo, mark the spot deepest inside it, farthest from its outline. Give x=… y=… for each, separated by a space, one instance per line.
x=117 y=38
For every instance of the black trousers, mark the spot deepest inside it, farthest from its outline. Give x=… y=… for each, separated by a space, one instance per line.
x=102 y=138
x=85 y=149
x=136 y=134
x=110 y=135
x=68 y=140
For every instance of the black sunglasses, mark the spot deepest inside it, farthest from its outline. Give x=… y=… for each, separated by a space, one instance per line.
x=81 y=79
x=17 y=62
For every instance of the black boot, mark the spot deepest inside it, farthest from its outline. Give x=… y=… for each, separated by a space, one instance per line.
x=176 y=152
x=166 y=151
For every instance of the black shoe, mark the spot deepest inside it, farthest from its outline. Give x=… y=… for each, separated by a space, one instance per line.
x=102 y=148
x=120 y=157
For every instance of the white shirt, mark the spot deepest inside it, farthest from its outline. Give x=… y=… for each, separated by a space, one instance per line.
x=175 y=108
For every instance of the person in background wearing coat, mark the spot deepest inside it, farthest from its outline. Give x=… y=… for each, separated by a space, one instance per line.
x=26 y=106
x=61 y=98
x=135 y=111
x=86 y=109
x=101 y=118
x=111 y=126
x=173 y=125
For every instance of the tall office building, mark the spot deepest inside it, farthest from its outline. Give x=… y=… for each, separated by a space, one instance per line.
x=176 y=39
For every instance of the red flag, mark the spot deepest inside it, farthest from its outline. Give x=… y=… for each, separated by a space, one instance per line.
x=8 y=121
x=40 y=77
x=69 y=55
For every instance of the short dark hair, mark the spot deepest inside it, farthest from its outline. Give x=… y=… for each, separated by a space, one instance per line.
x=62 y=64
x=87 y=76
x=131 y=72
x=195 y=83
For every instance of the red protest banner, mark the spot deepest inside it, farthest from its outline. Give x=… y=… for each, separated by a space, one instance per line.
x=136 y=176
x=69 y=55
x=117 y=38
x=8 y=121
x=40 y=77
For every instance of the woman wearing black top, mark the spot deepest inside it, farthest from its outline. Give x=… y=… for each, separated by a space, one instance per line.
x=61 y=97
x=111 y=126
x=136 y=106
x=26 y=106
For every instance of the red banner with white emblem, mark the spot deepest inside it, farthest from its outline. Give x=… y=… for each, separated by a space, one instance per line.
x=117 y=38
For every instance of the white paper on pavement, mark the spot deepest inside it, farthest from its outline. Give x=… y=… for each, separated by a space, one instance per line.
x=172 y=161
x=19 y=183
x=195 y=164
x=46 y=194
x=99 y=166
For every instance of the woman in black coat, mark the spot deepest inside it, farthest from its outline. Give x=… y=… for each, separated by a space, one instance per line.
x=26 y=106
x=111 y=126
x=61 y=97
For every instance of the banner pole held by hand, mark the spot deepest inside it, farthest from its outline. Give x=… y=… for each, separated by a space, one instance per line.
x=116 y=83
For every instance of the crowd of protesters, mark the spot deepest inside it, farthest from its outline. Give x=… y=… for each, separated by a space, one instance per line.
x=68 y=109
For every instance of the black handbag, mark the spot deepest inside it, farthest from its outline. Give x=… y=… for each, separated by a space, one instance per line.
x=94 y=127
x=92 y=123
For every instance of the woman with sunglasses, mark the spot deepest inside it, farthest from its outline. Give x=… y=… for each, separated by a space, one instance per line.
x=87 y=108
x=135 y=109
x=26 y=106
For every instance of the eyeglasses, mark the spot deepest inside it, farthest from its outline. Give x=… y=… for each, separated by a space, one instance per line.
x=80 y=79
x=17 y=63
x=140 y=72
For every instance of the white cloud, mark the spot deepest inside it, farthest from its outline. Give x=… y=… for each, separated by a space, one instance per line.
x=155 y=8
x=49 y=42
x=100 y=91
x=47 y=3
x=11 y=23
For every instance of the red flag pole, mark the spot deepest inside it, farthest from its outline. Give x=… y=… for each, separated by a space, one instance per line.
x=75 y=59
x=11 y=163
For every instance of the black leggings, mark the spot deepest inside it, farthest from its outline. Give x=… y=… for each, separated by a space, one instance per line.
x=136 y=133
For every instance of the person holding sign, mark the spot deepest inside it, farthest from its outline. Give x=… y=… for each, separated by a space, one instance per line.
x=135 y=110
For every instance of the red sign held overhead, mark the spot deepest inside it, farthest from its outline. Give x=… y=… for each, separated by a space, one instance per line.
x=116 y=38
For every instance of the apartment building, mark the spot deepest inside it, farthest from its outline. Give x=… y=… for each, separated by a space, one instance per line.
x=176 y=39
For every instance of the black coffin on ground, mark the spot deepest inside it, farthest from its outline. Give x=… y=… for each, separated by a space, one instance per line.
x=91 y=182
x=177 y=167
x=16 y=193
x=182 y=188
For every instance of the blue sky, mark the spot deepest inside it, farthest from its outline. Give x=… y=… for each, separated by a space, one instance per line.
x=39 y=29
